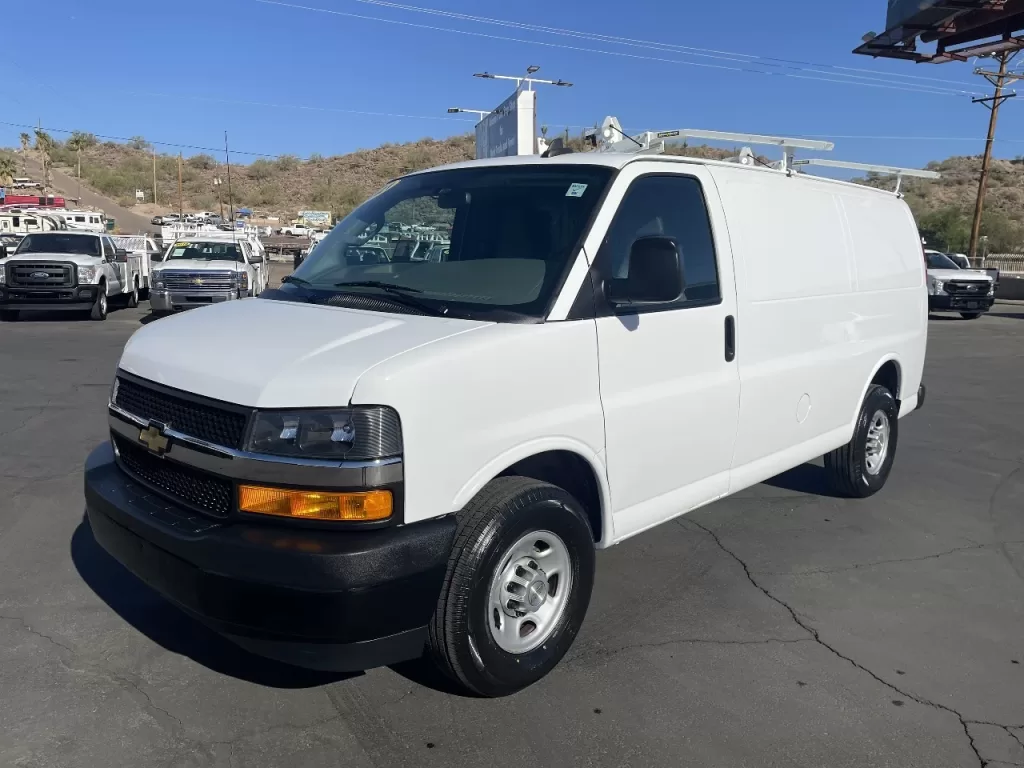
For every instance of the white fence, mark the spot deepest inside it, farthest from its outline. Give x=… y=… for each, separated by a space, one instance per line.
x=1006 y=263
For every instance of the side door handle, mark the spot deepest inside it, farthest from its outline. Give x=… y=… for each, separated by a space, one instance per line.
x=730 y=339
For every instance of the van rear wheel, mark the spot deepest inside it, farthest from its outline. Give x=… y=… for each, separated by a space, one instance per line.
x=517 y=587
x=971 y=315
x=860 y=468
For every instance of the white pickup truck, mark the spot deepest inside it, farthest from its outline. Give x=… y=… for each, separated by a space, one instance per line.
x=297 y=230
x=64 y=270
x=208 y=268
x=970 y=292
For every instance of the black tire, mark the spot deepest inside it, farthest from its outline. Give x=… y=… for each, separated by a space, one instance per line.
x=847 y=467
x=99 y=307
x=971 y=315
x=9 y=315
x=133 y=297
x=461 y=643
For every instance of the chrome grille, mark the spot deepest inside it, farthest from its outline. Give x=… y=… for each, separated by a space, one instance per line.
x=197 y=282
x=219 y=426
x=968 y=287
x=41 y=274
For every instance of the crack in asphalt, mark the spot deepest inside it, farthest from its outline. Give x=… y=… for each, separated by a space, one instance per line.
x=815 y=635
x=874 y=563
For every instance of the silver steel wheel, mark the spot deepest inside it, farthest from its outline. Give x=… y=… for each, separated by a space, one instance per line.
x=879 y=431
x=529 y=592
x=103 y=303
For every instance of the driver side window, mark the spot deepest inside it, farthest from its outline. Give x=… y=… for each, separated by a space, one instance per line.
x=670 y=206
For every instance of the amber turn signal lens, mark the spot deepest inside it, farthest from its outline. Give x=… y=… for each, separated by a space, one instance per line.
x=315 y=505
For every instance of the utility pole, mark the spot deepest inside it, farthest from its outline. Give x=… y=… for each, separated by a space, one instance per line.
x=220 y=200
x=227 y=158
x=154 y=176
x=1000 y=80
x=181 y=201
x=79 y=177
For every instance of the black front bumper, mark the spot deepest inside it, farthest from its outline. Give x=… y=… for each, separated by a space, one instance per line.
x=74 y=298
x=332 y=600
x=960 y=303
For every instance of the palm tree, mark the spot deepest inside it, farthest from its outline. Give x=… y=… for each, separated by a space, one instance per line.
x=8 y=167
x=25 y=141
x=45 y=144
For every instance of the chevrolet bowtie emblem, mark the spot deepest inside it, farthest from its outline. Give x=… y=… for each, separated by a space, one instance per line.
x=153 y=438
x=197 y=281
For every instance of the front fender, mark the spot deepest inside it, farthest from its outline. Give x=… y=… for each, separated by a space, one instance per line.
x=500 y=463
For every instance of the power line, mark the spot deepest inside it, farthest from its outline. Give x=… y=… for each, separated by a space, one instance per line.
x=667 y=47
x=48 y=129
x=621 y=54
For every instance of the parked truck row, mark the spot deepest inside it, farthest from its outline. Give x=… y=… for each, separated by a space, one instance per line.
x=84 y=272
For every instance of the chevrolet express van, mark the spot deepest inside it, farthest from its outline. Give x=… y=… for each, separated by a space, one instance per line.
x=425 y=455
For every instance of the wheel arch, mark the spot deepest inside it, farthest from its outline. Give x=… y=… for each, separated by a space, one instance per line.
x=888 y=372
x=568 y=464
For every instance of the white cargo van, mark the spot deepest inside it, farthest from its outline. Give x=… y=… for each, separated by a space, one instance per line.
x=428 y=453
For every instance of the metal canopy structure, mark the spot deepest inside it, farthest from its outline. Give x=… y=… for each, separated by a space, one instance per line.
x=960 y=29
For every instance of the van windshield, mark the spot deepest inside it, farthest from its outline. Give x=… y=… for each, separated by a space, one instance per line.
x=60 y=242
x=490 y=243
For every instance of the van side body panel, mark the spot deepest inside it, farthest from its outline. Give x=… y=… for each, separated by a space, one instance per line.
x=830 y=285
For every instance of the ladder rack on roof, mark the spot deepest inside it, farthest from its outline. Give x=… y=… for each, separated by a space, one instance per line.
x=611 y=138
x=886 y=170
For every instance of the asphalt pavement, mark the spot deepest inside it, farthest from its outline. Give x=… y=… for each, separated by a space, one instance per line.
x=780 y=627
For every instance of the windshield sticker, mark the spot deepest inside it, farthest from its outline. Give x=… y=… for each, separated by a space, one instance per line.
x=576 y=190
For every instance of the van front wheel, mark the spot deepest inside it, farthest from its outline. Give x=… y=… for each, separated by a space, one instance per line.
x=517 y=587
x=860 y=468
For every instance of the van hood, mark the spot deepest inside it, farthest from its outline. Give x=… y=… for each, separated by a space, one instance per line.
x=959 y=274
x=201 y=265
x=274 y=354
x=78 y=259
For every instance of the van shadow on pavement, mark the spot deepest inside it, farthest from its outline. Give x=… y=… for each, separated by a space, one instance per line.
x=173 y=629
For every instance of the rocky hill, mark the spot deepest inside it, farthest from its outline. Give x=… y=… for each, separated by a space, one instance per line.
x=287 y=184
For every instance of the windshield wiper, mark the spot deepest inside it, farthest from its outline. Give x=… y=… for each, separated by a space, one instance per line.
x=378 y=284
x=399 y=294
x=296 y=280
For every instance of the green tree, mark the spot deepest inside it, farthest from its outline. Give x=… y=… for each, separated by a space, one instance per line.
x=945 y=229
x=8 y=167
x=80 y=140
x=260 y=169
x=202 y=162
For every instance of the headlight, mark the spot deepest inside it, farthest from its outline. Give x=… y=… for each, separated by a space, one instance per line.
x=3 y=275
x=938 y=286
x=158 y=280
x=991 y=289
x=349 y=434
x=242 y=278
x=87 y=274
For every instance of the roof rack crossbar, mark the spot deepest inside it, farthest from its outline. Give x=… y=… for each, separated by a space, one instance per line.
x=611 y=138
x=886 y=170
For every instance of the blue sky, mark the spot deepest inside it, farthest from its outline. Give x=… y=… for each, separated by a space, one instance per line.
x=186 y=72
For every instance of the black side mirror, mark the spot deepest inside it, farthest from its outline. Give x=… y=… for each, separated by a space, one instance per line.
x=120 y=255
x=654 y=276
x=3 y=251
